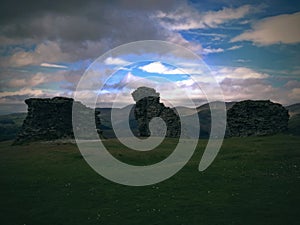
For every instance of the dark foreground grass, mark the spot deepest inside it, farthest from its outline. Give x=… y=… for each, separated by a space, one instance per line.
x=252 y=181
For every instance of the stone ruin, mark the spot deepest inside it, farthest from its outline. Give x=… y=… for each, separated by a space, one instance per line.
x=148 y=106
x=51 y=119
x=256 y=118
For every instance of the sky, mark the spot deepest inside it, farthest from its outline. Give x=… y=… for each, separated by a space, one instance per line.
x=251 y=48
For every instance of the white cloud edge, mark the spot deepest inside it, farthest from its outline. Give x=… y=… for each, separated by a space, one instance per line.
x=283 y=28
x=53 y=65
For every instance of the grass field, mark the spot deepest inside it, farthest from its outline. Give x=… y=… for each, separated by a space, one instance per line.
x=253 y=180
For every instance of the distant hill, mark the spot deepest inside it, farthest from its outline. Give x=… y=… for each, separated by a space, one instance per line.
x=105 y=118
x=205 y=106
x=294 y=122
x=185 y=110
x=293 y=109
x=10 y=125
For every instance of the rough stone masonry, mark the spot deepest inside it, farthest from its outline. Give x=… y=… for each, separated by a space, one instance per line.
x=51 y=119
x=148 y=106
x=256 y=118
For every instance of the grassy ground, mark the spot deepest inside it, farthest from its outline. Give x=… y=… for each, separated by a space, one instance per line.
x=252 y=181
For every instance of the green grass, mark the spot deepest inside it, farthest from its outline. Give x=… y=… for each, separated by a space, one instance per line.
x=253 y=180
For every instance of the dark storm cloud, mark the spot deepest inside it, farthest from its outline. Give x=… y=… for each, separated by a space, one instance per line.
x=81 y=20
x=79 y=29
x=16 y=9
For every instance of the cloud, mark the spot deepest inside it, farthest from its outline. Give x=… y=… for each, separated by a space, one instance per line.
x=238 y=73
x=209 y=50
x=51 y=35
x=292 y=84
x=187 y=18
x=115 y=61
x=237 y=90
x=172 y=93
x=77 y=7
x=77 y=22
x=17 y=97
x=128 y=81
x=23 y=91
x=71 y=79
x=75 y=31
x=242 y=60
x=235 y=47
x=221 y=73
x=237 y=83
x=48 y=51
x=213 y=19
x=158 y=67
x=53 y=65
x=295 y=94
x=71 y=31
x=177 y=38
x=29 y=80
x=258 y=89
x=273 y=30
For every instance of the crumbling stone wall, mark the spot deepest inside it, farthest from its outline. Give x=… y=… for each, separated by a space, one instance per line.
x=148 y=106
x=256 y=118
x=50 y=119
